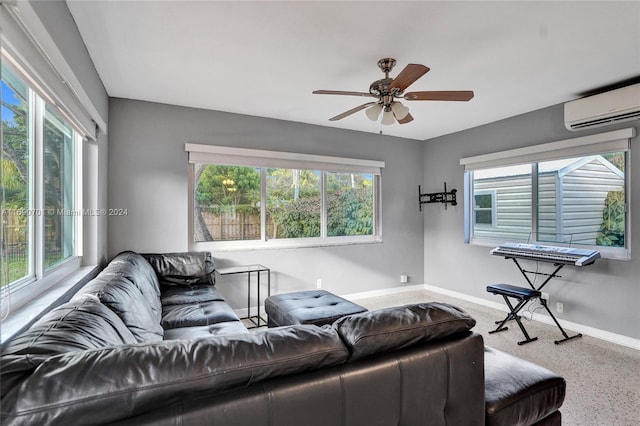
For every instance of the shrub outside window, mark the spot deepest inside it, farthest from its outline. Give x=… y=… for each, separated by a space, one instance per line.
x=59 y=189
x=294 y=203
x=350 y=204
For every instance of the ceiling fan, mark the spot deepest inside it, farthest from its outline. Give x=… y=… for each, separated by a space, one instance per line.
x=387 y=90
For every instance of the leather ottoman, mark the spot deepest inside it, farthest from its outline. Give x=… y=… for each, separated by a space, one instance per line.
x=317 y=307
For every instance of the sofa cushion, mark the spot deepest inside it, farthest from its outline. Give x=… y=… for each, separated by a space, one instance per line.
x=76 y=386
x=183 y=268
x=218 y=329
x=397 y=327
x=130 y=288
x=81 y=324
x=197 y=314
x=173 y=295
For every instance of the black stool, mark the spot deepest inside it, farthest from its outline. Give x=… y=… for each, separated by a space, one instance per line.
x=523 y=295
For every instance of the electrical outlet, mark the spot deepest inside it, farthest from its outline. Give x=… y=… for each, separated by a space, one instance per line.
x=545 y=296
x=404 y=279
x=559 y=307
x=319 y=283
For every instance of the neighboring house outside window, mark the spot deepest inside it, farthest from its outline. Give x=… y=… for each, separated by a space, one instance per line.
x=484 y=208
x=563 y=199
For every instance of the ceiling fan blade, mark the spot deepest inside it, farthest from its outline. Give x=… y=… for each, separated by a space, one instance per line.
x=458 y=95
x=407 y=76
x=339 y=92
x=408 y=118
x=351 y=111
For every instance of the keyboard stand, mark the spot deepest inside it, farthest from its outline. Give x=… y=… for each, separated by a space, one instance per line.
x=514 y=310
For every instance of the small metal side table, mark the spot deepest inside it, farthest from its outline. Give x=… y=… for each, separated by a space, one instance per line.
x=249 y=269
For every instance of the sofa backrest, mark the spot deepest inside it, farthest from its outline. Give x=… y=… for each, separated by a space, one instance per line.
x=138 y=378
x=130 y=288
x=186 y=268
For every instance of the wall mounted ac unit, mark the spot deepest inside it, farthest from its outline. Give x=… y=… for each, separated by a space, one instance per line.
x=603 y=109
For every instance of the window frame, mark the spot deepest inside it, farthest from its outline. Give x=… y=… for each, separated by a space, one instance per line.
x=39 y=278
x=492 y=209
x=221 y=155
x=613 y=141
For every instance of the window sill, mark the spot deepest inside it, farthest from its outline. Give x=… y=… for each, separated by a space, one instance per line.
x=55 y=295
x=605 y=252
x=223 y=246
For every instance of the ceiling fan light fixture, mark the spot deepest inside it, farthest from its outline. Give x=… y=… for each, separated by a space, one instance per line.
x=387 y=117
x=374 y=112
x=399 y=110
x=387 y=89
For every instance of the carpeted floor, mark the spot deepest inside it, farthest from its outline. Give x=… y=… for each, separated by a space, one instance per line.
x=603 y=379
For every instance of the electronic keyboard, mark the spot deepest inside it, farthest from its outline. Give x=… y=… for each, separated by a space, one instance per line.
x=553 y=254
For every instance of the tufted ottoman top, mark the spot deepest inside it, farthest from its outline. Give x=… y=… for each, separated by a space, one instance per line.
x=318 y=307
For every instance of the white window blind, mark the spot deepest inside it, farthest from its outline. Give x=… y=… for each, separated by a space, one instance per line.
x=614 y=141
x=28 y=60
x=212 y=154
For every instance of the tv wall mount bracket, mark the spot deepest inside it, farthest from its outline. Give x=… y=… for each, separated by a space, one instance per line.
x=445 y=197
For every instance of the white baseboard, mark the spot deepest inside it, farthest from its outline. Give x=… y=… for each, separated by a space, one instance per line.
x=608 y=336
x=383 y=292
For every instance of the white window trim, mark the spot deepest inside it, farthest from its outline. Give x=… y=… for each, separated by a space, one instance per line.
x=614 y=141
x=39 y=280
x=32 y=51
x=213 y=154
x=617 y=140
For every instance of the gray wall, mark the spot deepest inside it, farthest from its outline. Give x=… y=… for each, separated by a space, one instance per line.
x=148 y=176
x=605 y=295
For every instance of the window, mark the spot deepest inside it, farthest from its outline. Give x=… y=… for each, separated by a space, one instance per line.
x=483 y=208
x=294 y=203
x=562 y=199
x=227 y=203
x=40 y=164
x=502 y=203
x=350 y=204
x=252 y=198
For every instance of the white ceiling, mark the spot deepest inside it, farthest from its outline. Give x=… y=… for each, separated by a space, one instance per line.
x=265 y=58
